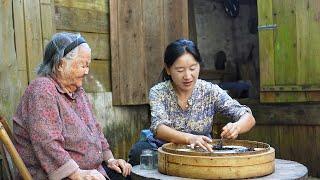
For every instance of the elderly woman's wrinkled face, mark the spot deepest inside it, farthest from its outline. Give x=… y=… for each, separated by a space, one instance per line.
x=184 y=72
x=73 y=71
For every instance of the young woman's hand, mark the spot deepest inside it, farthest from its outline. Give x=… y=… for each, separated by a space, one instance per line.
x=120 y=166
x=201 y=141
x=230 y=131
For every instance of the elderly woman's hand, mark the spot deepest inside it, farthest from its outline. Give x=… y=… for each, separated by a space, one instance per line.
x=201 y=141
x=230 y=131
x=86 y=175
x=120 y=166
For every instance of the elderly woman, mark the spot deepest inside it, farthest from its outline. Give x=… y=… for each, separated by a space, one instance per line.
x=55 y=131
x=183 y=106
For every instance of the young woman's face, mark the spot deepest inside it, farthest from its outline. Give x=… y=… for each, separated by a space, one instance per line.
x=184 y=72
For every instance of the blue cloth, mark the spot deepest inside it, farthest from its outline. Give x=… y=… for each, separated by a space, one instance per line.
x=147 y=135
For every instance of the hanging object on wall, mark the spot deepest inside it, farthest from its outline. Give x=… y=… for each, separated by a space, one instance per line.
x=231 y=7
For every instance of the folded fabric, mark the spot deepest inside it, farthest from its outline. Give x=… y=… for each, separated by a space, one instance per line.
x=147 y=135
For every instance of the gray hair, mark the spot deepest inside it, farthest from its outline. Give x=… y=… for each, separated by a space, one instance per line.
x=54 y=52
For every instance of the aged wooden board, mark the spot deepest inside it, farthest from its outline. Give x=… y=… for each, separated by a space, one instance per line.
x=20 y=44
x=285 y=42
x=121 y=124
x=98 y=79
x=154 y=39
x=34 y=42
x=176 y=25
x=266 y=48
x=81 y=20
x=140 y=30
x=95 y=5
x=132 y=62
x=129 y=69
x=9 y=77
x=99 y=44
x=47 y=20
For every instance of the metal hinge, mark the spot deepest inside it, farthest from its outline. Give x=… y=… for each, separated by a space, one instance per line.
x=267 y=27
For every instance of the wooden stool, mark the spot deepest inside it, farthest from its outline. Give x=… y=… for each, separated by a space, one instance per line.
x=284 y=170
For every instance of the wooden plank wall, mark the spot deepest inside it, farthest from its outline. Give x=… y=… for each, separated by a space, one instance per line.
x=9 y=75
x=121 y=124
x=140 y=32
x=22 y=34
x=289 y=53
x=91 y=20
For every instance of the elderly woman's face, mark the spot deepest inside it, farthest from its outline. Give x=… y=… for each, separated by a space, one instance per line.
x=73 y=71
x=184 y=72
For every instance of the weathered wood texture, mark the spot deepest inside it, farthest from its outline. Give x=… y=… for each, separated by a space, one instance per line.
x=293 y=130
x=140 y=30
x=94 y=5
x=23 y=32
x=289 y=53
x=82 y=20
x=121 y=124
x=47 y=21
x=33 y=31
x=91 y=20
x=192 y=21
x=20 y=44
x=10 y=83
x=98 y=79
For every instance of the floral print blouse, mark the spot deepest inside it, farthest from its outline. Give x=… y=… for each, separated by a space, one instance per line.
x=55 y=133
x=206 y=100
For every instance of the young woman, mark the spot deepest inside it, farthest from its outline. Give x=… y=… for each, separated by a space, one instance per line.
x=183 y=106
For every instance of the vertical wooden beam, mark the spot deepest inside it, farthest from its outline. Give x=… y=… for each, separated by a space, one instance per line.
x=8 y=65
x=303 y=41
x=132 y=56
x=33 y=36
x=266 y=48
x=47 y=20
x=20 y=44
x=154 y=40
x=176 y=20
x=313 y=61
x=192 y=22
x=114 y=41
x=284 y=13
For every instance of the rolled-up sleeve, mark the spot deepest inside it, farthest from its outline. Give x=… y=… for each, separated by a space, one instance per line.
x=158 y=111
x=227 y=106
x=45 y=131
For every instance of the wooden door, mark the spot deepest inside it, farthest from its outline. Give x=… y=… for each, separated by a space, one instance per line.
x=289 y=53
x=140 y=30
